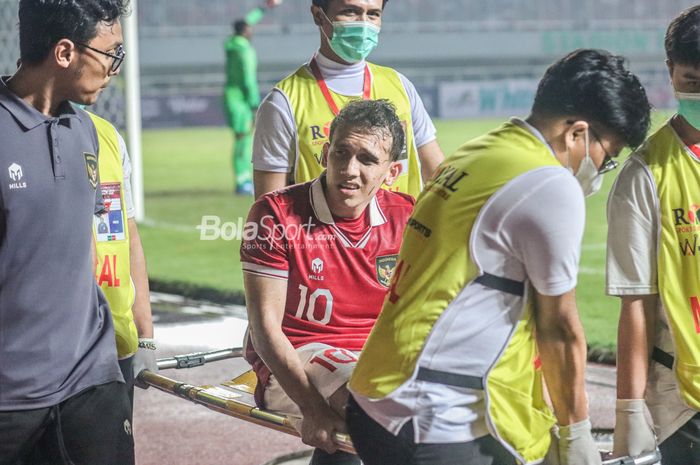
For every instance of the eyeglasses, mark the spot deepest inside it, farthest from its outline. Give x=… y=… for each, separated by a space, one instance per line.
x=609 y=163
x=117 y=57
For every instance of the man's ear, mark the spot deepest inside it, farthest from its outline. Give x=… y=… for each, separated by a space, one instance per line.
x=324 y=155
x=64 y=53
x=394 y=172
x=576 y=131
x=316 y=15
x=669 y=66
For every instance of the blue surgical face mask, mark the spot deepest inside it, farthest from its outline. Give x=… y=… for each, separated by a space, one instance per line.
x=689 y=107
x=353 y=41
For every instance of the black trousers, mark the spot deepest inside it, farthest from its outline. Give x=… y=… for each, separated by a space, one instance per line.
x=683 y=446
x=90 y=428
x=127 y=368
x=377 y=446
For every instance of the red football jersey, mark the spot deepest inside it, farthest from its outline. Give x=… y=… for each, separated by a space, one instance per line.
x=338 y=270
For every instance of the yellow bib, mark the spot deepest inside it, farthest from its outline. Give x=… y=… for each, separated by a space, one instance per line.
x=313 y=118
x=435 y=265
x=676 y=173
x=111 y=234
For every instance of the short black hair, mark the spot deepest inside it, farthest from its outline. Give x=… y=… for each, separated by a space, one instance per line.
x=42 y=23
x=595 y=85
x=682 y=40
x=323 y=4
x=239 y=26
x=371 y=116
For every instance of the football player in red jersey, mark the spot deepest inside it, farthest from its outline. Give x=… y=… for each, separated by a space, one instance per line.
x=317 y=260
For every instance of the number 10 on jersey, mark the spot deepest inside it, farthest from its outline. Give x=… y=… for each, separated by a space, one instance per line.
x=308 y=310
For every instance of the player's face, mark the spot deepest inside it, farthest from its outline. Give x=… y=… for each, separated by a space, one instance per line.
x=685 y=78
x=358 y=163
x=92 y=70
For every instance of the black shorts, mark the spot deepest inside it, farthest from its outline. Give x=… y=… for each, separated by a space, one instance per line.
x=90 y=428
x=377 y=446
x=683 y=446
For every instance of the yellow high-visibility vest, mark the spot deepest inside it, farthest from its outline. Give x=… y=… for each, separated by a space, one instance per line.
x=313 y=117
x=435 y=266
x=676 y=174
x=112 y=241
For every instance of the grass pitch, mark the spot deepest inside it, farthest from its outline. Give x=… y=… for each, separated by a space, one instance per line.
x=188 y=175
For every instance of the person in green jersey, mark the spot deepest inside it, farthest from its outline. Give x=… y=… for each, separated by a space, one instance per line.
x=241 y=94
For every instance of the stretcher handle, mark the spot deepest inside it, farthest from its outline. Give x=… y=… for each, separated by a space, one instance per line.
x=231 y=407
x=648 y=458
x=197 y=359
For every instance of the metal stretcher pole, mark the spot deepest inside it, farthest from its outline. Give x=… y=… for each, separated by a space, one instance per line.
x=198 y=358
x=648 y=458
x=227 y=406
x=251 y=414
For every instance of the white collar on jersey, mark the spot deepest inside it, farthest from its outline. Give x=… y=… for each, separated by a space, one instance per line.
x=529 y=127
x=323 y=212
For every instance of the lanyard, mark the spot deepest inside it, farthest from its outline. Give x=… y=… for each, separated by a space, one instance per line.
x=366 y=87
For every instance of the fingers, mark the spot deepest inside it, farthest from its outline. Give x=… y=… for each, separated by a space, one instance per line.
x=321 y=438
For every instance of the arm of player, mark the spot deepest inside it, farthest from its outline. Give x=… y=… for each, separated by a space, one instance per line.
x=430 y=156
x=633 y=434
x=250 y=78
x=562 y=348
x=265 y=299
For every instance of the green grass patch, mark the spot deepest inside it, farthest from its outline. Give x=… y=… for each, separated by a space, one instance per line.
x=188 y=175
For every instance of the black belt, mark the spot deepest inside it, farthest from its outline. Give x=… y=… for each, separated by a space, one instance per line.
x=499 y=283
x=451 y=379
x=662 y=357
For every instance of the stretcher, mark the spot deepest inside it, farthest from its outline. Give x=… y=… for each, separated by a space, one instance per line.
x=236 y=398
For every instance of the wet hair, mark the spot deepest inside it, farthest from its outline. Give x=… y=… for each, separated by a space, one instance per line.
x=42 y=23
x=373 y=117
x=595 y=85
x=239 y=26
x=682 y=41
x=323 y=4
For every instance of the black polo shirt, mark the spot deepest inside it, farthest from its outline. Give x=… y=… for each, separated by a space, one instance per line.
x=56 y=332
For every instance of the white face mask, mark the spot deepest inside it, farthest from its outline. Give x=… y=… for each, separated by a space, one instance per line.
x=587 y=174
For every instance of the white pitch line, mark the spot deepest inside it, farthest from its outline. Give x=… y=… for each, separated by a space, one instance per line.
x=170 y=226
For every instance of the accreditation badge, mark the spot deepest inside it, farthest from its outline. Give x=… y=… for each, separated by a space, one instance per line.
x=110 y=226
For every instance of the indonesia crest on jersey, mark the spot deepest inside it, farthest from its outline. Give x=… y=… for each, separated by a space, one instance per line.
x=338 y=270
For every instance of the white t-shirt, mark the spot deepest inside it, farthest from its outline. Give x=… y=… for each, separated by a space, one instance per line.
x=531 y=229
x=633 y=228
x=126 y=169
x=275 y=140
